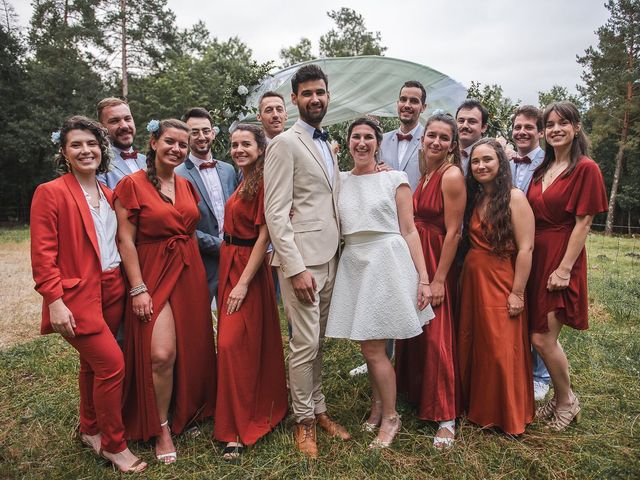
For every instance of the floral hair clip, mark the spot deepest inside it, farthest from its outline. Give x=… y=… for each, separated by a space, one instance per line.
x=55 y=137
x=242 y=90
x=153 y=126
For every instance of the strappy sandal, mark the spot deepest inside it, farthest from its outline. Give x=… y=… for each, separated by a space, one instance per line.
x=546 y=411
x=167 y=458
x=138 y=466
x=380 y=444
x=564 y=416
x=444 y=443
x=232 y=453
x=371 y=427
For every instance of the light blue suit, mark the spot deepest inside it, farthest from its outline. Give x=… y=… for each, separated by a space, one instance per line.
x=409 y=164
x=207 y=230
x=119 y=169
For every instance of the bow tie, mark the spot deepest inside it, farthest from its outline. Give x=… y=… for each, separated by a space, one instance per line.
x=324 y=135
x=518 y=160
x=205 y=165
x=133 y=154
x=401 y=137
x=464 y=154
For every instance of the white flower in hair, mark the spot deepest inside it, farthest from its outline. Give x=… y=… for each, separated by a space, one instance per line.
x=242 y=90
x=55 y=137
x=153 y=126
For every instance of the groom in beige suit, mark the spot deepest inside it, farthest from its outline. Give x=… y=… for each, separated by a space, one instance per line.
x=301 y=193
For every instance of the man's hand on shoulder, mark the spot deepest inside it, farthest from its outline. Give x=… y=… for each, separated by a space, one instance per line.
x=304 y=286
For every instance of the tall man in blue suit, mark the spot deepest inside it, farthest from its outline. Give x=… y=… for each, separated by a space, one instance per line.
x=527 y=130
x=114 y=114
x=215 y=181
x=399 y=148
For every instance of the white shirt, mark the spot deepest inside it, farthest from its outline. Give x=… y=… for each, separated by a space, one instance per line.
x=403 y=145
x=106 y=225
x=521 y=169
x=323 y=149
x=131 y=163
x=213 y=186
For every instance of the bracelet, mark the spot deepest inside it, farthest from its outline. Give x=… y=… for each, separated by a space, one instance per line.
x=138 y=290
x=425 y=283
x=562 y=278
x=519 y=295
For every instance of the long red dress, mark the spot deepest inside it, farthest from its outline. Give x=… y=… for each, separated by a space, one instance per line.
x=173 y=272
x=555 y=210
x=426 y=368
x=252 y=391
x=493 y=348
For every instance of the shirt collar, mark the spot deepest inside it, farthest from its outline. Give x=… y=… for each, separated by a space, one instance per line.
x=118 y=151
x=532 y=153
x=309 y=129
x=198 y=161
x=412 y=132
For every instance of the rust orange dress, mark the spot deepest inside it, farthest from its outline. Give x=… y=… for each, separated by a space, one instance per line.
x=252 y=391
x=426 y=368
x=173 y=272
x=493 y=348
x=555 y=211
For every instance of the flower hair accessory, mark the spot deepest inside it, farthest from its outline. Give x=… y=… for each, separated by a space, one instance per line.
x=55 y=137
x=438 y=111
x=242 y=90
x=153 y=126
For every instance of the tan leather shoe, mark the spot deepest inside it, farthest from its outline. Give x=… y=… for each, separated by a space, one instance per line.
x=304 y=434
x=332 y=428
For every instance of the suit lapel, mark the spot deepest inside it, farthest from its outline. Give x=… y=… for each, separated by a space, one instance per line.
x=118 y=164
x=81 y=202
x=224 y=181
x=194 y=173
x=142 y=162
x=313 y=150
x=393 y=151
x=411 y=148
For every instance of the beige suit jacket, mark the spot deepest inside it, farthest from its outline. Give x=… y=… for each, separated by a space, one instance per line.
x=296 y=180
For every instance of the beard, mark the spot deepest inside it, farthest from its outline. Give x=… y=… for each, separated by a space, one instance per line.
x=314 y=118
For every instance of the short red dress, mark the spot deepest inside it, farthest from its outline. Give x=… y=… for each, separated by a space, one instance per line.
x=426 y=368
x=493 y=348
x=252 y=391
x=173 y=272
x=581 y=193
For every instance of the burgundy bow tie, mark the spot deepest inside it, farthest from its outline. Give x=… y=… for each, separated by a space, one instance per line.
x=205 y=165
x=133 y=154
x=464 y=154
x=524 y=159
x=401 y=136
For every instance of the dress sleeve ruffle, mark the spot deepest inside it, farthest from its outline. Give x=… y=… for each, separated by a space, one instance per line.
x=125 y=192
x=588 y=196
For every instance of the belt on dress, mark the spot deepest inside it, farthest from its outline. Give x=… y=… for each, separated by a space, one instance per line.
x=239 y=242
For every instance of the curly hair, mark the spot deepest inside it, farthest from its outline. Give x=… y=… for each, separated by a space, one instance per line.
x=254 y=177
x=496 y=223
x=152 y=174
x=78 y=122
x=454 y=157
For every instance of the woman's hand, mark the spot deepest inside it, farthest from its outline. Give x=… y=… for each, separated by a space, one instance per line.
x=424 y=296
x=515 y=303
x=437 y=292
x=61 y=318
x=143 y=306
x=236 y=297
x=558 y=280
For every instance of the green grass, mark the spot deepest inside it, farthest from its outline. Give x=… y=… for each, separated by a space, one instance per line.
x=38 y=412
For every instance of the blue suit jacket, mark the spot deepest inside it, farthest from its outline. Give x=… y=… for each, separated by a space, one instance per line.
x=119 y=169
x=526 y=180
x=409 y=164
x=207 y=230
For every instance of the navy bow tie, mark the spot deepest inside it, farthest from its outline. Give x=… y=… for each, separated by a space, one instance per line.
x=323 y=134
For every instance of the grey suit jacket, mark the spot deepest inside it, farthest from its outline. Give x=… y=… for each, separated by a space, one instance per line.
x=119 y=169
x=207 y=230
x=409 y=164
x=526 y=180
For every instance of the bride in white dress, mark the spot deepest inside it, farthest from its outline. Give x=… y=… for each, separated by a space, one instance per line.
x=381 y=289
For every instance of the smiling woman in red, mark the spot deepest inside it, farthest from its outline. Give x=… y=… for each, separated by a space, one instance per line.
x=76 y=267
x=168 y=329
x=566 y=192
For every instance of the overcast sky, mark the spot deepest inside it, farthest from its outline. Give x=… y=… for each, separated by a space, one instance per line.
x=525 y=46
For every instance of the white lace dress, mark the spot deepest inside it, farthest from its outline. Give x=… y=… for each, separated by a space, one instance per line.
x=376 y=287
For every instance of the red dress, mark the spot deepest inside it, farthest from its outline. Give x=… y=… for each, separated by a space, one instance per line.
x=555 y=210
x=493 y=348
x=252 y=391
x=173 y=272
x=426 y=369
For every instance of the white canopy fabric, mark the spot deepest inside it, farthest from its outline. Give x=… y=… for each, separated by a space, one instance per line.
x=365 y=85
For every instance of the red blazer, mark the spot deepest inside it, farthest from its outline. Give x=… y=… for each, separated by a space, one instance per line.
x=65 y=257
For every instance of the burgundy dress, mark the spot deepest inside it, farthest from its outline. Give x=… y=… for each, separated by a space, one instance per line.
x=426 y=368
x=555 y=210
x=252 y=391
x=173 y=272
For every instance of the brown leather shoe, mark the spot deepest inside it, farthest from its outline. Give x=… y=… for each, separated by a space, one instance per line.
x=304 y=434
x=332 y=428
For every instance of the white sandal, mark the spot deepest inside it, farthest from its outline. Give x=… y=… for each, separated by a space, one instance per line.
x=444 y=443
x=170 y=457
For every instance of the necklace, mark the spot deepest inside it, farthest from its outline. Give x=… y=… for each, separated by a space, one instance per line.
x=168 y=186
x=430 y=174
x=552 y=173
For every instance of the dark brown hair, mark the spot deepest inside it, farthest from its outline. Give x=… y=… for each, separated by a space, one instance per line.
x=496 y=223
x=197 y=112
x=252 y=181
x=308 y=73
x=152 y=175
x=528 y=111
x=415 y=84
x=579 y=146
x=78 y=122
x=269 y=94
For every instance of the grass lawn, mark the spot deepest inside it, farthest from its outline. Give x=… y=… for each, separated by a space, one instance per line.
x=39 y=399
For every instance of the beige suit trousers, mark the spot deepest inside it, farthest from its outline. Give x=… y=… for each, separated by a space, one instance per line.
x=308 y=323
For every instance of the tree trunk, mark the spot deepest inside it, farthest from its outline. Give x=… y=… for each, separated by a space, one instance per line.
x=125 y=76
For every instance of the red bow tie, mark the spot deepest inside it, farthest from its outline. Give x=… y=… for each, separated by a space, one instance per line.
x=205 y=165
x=464 y=154
x=133 y=154
x=401 y=136
x=524 y=159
